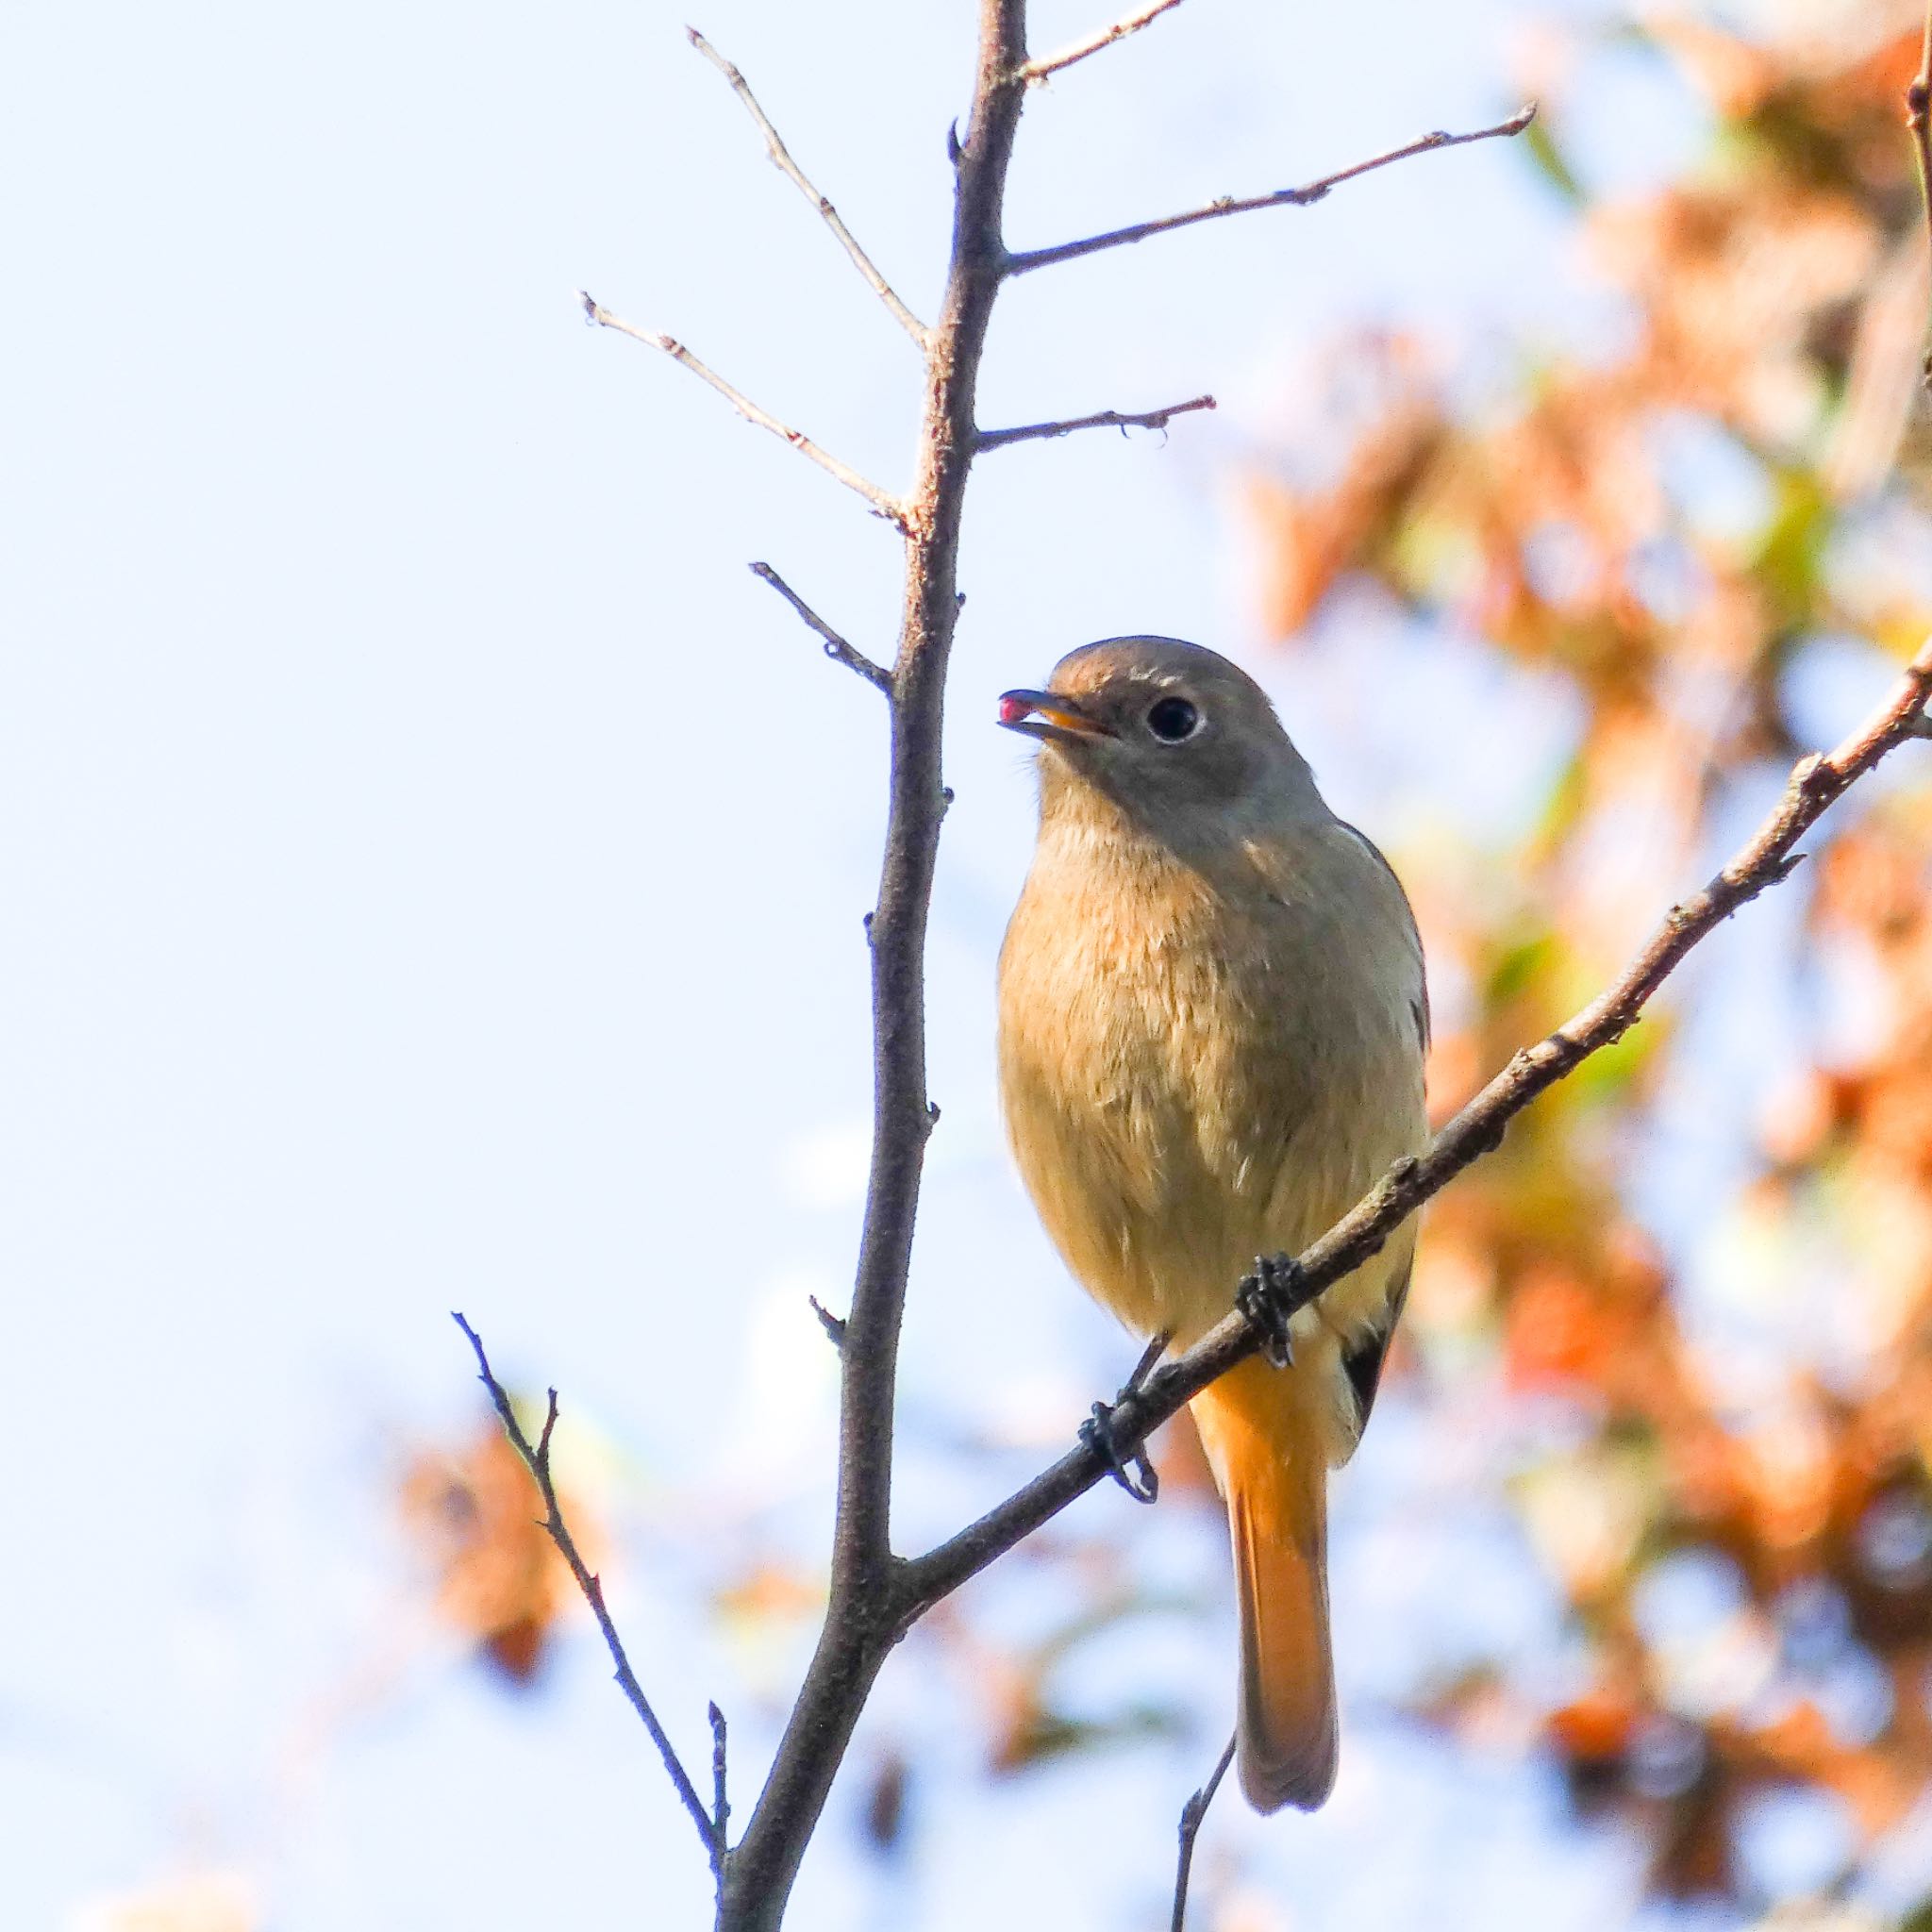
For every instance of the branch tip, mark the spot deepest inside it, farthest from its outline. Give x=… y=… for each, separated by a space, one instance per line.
x=833 y=1324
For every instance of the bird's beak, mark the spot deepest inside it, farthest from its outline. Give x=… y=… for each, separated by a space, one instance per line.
x=1047 y=714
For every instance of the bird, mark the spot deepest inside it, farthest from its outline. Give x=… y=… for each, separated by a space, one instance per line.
x=1211 y=1033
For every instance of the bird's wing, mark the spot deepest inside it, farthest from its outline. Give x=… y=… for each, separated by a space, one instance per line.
x=1420 y=1005
x=1364 y=1360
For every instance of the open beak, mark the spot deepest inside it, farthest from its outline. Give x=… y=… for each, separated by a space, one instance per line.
x=1047 y=714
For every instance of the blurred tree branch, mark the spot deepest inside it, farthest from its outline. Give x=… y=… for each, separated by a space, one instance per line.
x=1919 y=120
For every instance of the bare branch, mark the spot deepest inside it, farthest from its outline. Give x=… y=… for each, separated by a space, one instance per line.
x=1036 y=71
x=1304 y=196
x=888 y=507
x=873 y=1593
x=1106 y=419
x=537 y=1461
x=1192 y=1813
x=782 y=160
x=720 y=1808
x=1918 y=111
x=864 y=1595
x=833 y=1324
x=1768 y=858
x=836 y=646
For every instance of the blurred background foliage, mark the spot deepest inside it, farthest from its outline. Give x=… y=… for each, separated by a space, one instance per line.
x=1692 y=536
x=1691 y=1296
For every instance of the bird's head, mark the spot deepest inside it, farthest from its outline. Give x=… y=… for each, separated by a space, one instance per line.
x=1174 y=734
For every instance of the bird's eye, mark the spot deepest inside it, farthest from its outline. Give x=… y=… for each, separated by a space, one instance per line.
x=1171 y=720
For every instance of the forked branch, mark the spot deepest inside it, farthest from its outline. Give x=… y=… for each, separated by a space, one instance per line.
x=886 y=506
x=1309 y=192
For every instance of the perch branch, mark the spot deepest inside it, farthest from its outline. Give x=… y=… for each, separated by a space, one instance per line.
x=1769 y=857
x=1037 y=70
x=1106 y=419
x=836 y=646
x=888 y=507
x=1192 y=1813
x=537 y=1461
x=1024 y=262
x=782 y=160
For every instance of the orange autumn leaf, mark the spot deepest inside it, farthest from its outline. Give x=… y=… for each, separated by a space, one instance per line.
x=474 y=1517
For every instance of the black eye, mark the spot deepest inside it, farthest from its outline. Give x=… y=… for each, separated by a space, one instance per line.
x=1173 y=718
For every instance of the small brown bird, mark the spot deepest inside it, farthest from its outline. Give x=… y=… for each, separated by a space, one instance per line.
x=1212 y=1023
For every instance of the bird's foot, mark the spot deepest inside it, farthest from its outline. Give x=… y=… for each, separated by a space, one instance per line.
x=1130 y=1469
x=1133 y=1471
x=1271 y=1298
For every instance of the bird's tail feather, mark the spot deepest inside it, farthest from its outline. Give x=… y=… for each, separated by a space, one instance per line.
x=1275 y=1477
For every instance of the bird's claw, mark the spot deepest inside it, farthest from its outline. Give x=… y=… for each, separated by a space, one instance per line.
x=1271 y=1298
x=1133 y=1471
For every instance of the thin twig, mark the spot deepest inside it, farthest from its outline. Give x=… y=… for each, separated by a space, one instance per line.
x=1031 y=258
x=1192 y=1813
x=836 y=646
x=888 y=507
x=720 y=1808
x=537 y=1461
x=1037 y=70
x=1769 y=857
x=782 y=160
x=1106 y=419
x=1918 y=114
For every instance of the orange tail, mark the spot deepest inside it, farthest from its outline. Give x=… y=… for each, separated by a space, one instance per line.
x=1275 y=1477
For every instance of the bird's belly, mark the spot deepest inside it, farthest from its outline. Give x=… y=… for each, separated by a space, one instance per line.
x=1169 y=1132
